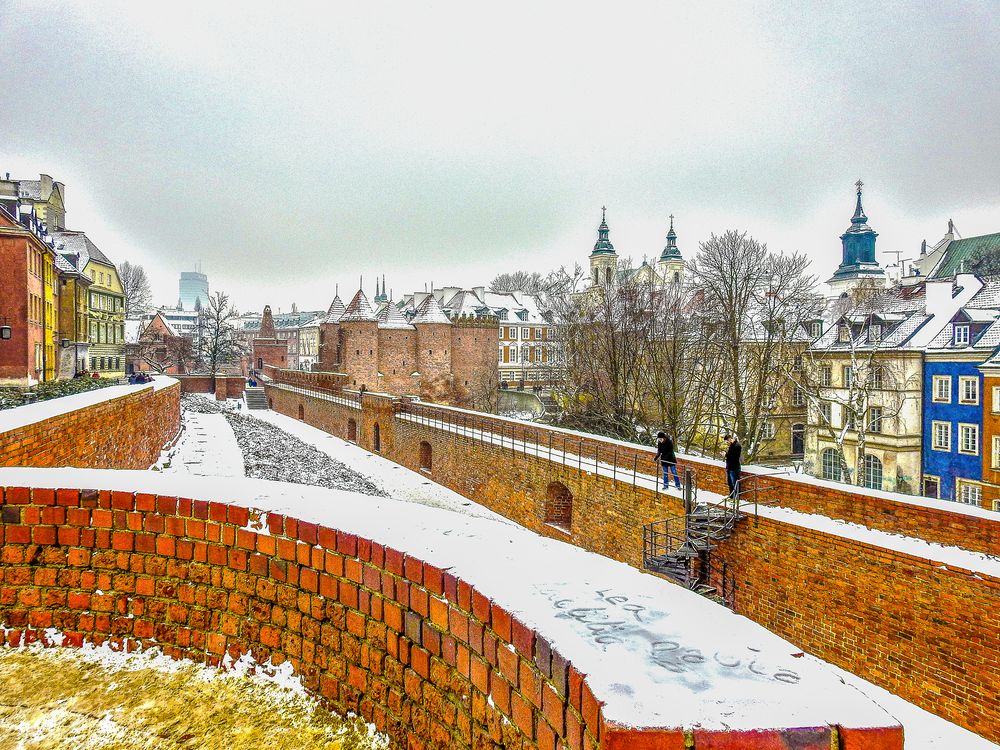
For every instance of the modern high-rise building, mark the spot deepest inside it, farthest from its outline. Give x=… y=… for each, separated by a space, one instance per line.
x=193 y=289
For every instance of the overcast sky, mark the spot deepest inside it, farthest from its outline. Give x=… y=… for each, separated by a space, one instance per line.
x=288 y=147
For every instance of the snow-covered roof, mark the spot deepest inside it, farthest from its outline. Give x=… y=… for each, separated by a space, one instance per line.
x=739 y=677
x=391 y=316
x=430 y=312
x=359 y=309
x=79 y=243
x=133 y=329
x=336 y=310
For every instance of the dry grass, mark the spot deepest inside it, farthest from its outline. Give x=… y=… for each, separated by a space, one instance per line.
x=60 y=698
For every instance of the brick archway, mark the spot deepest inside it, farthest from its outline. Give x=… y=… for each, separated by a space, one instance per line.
x=426 y=456
x=559 y=506
x=352 y=430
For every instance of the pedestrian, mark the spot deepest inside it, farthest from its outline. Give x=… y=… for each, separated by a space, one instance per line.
x=668 y=460
x=733 y=467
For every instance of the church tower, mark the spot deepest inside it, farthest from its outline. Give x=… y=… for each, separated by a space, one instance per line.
x=858 y=247
x=604 y=259
x=671 y=263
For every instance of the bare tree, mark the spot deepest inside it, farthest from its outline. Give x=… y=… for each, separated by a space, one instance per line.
x=135 y=286
x=519 y=281
x=852 y=387
x=220 y=345
x=753 y=304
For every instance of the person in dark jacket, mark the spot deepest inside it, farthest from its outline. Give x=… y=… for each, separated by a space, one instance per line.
x=668 y=460
x=733 y=466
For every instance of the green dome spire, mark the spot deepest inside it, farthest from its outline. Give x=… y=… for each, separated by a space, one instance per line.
x=670 y=252
x=603 y=245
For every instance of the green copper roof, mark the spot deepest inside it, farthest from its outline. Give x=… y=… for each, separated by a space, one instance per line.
x=603 y=246
x=978 y=255
x=670 y=252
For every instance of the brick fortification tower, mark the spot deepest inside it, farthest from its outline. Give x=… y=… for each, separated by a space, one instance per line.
x=431 y=356
x=268 y=349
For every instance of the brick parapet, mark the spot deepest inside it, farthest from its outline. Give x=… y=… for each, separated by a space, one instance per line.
x=427 y=657
x=787 y=577
x=120 y=432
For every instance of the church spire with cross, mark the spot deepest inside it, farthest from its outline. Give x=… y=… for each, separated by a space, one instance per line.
x=858 y=260
x=603 y=245
x=671 y=251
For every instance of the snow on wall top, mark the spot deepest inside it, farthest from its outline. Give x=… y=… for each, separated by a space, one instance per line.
x=22 y=416
x=657 y=654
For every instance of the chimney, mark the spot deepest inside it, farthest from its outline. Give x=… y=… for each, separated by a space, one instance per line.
x=938 y=299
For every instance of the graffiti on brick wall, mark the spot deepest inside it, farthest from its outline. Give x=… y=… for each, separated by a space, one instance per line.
x=611 y=619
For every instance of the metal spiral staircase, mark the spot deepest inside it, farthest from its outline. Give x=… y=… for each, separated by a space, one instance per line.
x=681 y=547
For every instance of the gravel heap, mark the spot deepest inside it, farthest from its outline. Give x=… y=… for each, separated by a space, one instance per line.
x=271 y=453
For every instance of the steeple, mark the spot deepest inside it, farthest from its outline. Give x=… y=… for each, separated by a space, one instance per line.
x=358 y=310
x=858 y=251
x=671 y=252
x=267 y=324
x=336 y=311
x=603 y=245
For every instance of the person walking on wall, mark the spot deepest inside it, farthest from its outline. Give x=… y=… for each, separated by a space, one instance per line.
x=733 y=466
x=668 y=460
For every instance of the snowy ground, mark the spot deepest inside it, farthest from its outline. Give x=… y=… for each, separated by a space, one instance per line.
x=102 y=699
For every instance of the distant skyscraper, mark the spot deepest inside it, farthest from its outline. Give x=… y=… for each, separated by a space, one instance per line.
x=194 y=287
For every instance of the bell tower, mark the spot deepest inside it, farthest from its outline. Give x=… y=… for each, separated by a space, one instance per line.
x=604 y=259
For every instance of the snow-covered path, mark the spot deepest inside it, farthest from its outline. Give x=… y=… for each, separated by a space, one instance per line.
x=207 y=448
x=397 y=481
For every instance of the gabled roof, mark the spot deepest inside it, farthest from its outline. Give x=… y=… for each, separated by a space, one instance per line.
x=430 y=312
x=79 y=244
x=359 y=309
x=978 y=255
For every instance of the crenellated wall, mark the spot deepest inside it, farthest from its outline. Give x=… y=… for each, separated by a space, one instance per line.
x=909 y=621
x=119 y=427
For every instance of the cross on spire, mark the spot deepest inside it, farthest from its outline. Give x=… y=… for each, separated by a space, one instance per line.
x=859 y=184
x=604 y=212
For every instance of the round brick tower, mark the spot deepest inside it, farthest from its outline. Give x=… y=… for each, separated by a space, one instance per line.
x=359 y=344
x=434 y=350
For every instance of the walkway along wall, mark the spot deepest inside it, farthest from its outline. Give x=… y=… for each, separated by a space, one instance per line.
x=923 y=629
x=119 y=427
x=435 y=659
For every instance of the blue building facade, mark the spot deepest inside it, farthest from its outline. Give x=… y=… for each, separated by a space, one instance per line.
x=952 y=427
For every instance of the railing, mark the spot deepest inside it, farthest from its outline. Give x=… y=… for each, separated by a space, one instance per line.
x=345 y=398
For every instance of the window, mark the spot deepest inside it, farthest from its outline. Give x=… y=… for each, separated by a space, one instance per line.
x=816 y=329
x=525 y=333
x=875 y=419
x=873 y=473
x=538 y=334
x=826 y=375
x=798 y=396
x=798 y=439
x=797 y=363
x=767 y=430
x=875 y=333
x=847 y=376
x=833 y=467
x=970 y=494
x=996 y=452
x=942 y=389
x=878 y=377
x=932 y=486
x=826 y=412
x=961 y=336
x=844 y=334
x=377 y=439
x=996 y=399
x=941 y=436
x=968 y=390
x=968 y=439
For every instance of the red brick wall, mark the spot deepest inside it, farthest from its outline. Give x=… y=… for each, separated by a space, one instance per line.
x=425 y=656
x=863 y=608
x=360 y=354
x=229 y=386
x=17 y=354
x=126 y=432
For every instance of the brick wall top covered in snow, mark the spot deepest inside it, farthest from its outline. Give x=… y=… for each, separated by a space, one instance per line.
x=119 y=427
x=445 y=630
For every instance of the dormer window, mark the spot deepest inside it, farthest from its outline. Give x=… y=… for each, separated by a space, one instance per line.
x=816 y=329
x=961 y=334
x=844 y=334
x=875 y=332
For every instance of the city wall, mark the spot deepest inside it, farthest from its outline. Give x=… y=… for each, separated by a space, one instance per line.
x=423 y=654
x=924 y=630
x=119 y=427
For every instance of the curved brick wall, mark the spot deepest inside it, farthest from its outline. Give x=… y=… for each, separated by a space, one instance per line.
x=428 y=658
x=119 y=427
x=921 y=616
